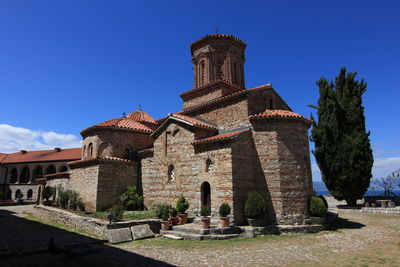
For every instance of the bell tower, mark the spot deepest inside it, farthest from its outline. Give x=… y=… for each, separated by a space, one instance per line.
x=218 y=57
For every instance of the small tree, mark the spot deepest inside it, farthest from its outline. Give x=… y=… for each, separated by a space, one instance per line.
x=165 y=214
x=205 y=211
x=342 y=148
x=224 y=210
x=49 y=192
x=182 y=205
x=255 y=207
x=317 y=207
x=131 y=199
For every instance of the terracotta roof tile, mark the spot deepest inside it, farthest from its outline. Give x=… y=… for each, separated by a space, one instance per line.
x=66 y=154
x=221 y=137
x=115 y=159
x=2 y=156
x=96 y=160
x=57 y=175
x=121 y=123
x=151 y=149
x=223 y=98
x=217 y=36
x=194 y=121
x=141 y=116
x=268 y=113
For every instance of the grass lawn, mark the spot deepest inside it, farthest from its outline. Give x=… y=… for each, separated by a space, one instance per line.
x=128 y=215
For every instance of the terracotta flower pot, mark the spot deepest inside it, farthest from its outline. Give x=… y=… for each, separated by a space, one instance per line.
x=183 y=218
x=174 y=220
x=165 y=225
x=205 y=222
x=224 y=222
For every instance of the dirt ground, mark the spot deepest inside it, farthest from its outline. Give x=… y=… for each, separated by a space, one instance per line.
x=358 y=240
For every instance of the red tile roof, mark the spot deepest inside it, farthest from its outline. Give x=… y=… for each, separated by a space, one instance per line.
x=194 y=121
x=232 y=86
x=66 y=154
x=221 y=137
x=134 y=121
x=151 y=149
x=141 y=116
x=2 y=156
x=224 y=98
x=216 y=36
x=268 y=113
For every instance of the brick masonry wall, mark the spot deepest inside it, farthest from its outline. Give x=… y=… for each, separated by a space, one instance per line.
x=84 y=180
x=114 y=178
x=282 y=146
x=113 y=143
x=202 y=96
x=265 y=99
x=190 y=171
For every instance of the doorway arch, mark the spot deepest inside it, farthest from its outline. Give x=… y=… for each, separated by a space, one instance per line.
x=206 y=194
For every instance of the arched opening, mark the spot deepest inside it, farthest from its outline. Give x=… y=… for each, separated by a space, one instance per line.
x=37 y=172
x=29 y=194
x=90 y=150
x=25 y=175
x=220 y=74
x=235 y=72
x=9 y=194
x=50 y=169
x=271 y=104
x=171 y=173
x=206 y=194
x=18 y=194
x=202 y=76
x=13 y=176
x=209 y=165
x=63 y=169
x=127 y=154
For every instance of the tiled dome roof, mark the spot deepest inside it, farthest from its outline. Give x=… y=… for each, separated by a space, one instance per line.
x=141 y=116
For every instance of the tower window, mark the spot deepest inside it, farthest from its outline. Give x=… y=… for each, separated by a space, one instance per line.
x=220 y=74
x=171 y=173
x=202 y=75
x=271 y=104
x=90 y=150
x=209 y=166
x=235 y=72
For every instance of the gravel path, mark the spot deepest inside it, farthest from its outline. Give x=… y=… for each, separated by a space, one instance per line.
x=356 y=236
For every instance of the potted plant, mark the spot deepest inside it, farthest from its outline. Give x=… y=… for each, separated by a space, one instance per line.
x=255 y=209
x=205 y=213
x=317 y=210
x=174 y=216
x=224 y=211
x=182 y=205
x=165 y=222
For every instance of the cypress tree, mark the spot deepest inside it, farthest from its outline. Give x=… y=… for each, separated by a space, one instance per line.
x=342 y=148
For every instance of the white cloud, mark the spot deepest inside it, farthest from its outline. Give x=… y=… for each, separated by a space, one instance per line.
x=382 y=167
x=13 y=139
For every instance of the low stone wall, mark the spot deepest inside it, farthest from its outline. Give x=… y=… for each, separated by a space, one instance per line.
x=90 y=225
x=373 y=199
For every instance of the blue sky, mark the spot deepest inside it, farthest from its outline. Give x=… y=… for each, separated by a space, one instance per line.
x=66 y=65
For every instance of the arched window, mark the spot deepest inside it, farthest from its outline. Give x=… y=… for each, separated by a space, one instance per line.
x=37 y=172
x=13 y=176
x=220 y=74
x=235 y=72
x=205 y=194
x=271 y=104
x=209 y=165
x=50 y=169
x=29 y=194
x=18 y=194
x=171 y=173
x=202 y=72
x=25 y=175
x=90 y=150
x=63 y=169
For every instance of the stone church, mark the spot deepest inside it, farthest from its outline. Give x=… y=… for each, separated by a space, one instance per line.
x=226 y=141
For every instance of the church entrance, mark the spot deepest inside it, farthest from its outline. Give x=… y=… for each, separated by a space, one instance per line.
x=206 y=194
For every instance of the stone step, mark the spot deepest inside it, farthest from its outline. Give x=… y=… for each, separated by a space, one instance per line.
x=196 y=229
x=192 y=236
x=175 y=237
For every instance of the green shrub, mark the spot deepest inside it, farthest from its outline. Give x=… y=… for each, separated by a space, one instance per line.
x=159 y=210
x=205 y=211
x=255 y=207
x=173 y=212
x=73 y=200
x=49 y=192
x=224 y=210
x=131 y=199
x=165 y=215
x=317 y=207
x=80 y=204
x=182 y=205
x=117 y=212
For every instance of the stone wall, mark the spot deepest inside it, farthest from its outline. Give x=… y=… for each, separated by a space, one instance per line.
x=64 y=182
x=282 y=148
x=84 y=180
x=260 y=100
x=189 y=170
x=114 y=178
x=114 y=143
